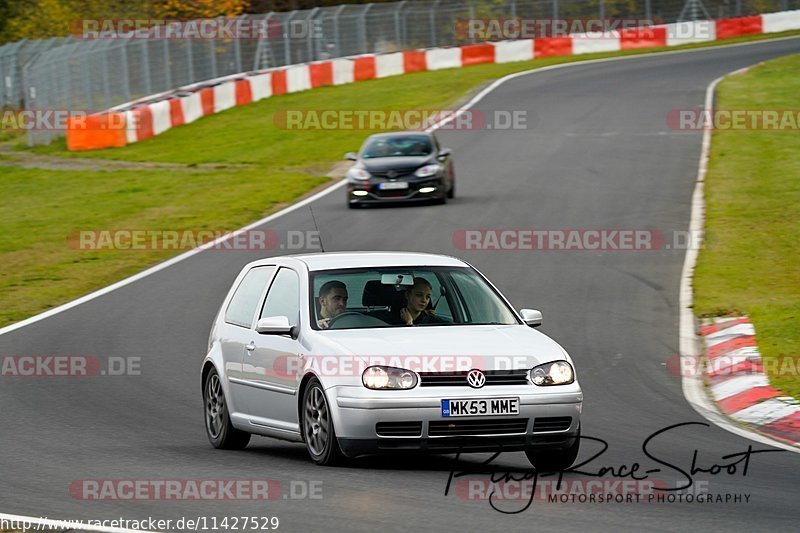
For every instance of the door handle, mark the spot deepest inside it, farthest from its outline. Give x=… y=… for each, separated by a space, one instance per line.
x=250 y=347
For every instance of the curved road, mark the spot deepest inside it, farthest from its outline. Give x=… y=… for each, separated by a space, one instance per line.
x=597 y=154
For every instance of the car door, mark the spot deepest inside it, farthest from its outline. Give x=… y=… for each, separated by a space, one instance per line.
x=271 y=361
x=236 y=328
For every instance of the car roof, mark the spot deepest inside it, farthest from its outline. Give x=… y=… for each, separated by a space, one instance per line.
x=400 y=134
x=342 y=260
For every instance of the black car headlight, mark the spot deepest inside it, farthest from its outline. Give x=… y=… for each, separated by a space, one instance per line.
x=358 y=174
x=555 y=373
x=388 y=377
x=428 y=170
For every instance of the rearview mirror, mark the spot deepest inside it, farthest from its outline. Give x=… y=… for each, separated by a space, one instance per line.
x=531 y=317
x=400 y=278
x=351 y=156
x=274 y=325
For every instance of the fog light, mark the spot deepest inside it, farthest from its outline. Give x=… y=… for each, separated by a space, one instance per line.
x=360 y=193
x=427 y=189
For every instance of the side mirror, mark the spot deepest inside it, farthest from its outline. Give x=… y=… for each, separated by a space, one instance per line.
x=531 y=317
x=444 y=153
x=351 y=156
x=274 y=325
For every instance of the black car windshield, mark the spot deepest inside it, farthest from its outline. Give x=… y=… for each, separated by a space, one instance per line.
x=404 y=297
x=399 y=146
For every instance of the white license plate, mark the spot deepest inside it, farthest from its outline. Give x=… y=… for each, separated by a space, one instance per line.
x=392 y=185
x=480 y=407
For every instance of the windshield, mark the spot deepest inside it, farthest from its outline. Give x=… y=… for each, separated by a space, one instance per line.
x=401 y=146
x=404 y=297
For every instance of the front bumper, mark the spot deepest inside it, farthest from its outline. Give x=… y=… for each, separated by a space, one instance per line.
x=371 y=194
x=356 y=416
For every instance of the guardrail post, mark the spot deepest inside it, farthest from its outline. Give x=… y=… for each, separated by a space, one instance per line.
x=126 y=85
x=287 y=44
x=397 y=32
x=213 y=53
x=363 y=28
x=237 y=50
x=190 y=60
x=311 y=33
x=167 y=73
x=433 y=22
x=148 y=87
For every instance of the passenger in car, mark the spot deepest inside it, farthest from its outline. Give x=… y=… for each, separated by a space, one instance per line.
x=332 y=301
x=416 y=308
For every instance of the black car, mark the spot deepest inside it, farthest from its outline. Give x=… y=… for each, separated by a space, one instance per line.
x=400 y=167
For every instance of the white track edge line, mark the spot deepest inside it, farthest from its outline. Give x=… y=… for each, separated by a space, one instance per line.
x=690 y=343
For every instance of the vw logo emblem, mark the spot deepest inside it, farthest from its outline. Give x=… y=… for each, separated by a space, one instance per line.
x=391 y=174
x=476 y=379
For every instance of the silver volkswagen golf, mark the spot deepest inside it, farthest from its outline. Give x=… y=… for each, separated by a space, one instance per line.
x=369 y=352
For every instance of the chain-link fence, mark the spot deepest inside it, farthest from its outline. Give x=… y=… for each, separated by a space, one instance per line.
x=96 y=74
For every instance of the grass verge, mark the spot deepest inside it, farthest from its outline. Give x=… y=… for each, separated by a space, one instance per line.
x=45 y=205
x=751 y=260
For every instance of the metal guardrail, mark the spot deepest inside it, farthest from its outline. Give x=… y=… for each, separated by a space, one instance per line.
x=96 y=74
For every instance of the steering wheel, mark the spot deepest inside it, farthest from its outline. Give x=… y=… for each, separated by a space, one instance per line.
x=366 y=320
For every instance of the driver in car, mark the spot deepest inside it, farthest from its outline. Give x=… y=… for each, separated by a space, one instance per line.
x=332 y=301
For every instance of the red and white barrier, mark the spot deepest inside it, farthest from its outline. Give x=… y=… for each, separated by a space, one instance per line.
x=162 y=118
x=261 y=86
x=785 y=21
x=592 y=43
x=389 y=65
x=510 y=51
x=146 y=120
x=442 y=58
x=343 y=71
x=298 y=78
x=224 y=96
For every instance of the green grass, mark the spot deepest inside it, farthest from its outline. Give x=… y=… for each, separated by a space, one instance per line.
x=42 y=207
x=751 y=262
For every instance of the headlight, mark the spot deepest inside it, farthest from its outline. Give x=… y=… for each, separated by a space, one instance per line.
x=358 y=174
x=427 y=170
x=387 y=377
x=555 y=373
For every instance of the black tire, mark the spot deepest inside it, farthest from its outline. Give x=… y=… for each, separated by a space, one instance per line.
x=318 y=431
x=452 y=192
x=219 y=429
x=548 y=461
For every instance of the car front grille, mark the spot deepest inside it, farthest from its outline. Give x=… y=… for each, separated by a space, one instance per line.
x=553 y=423
x=459 y=379
x=398 y=429
x=397 y=174
x=465 y=428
